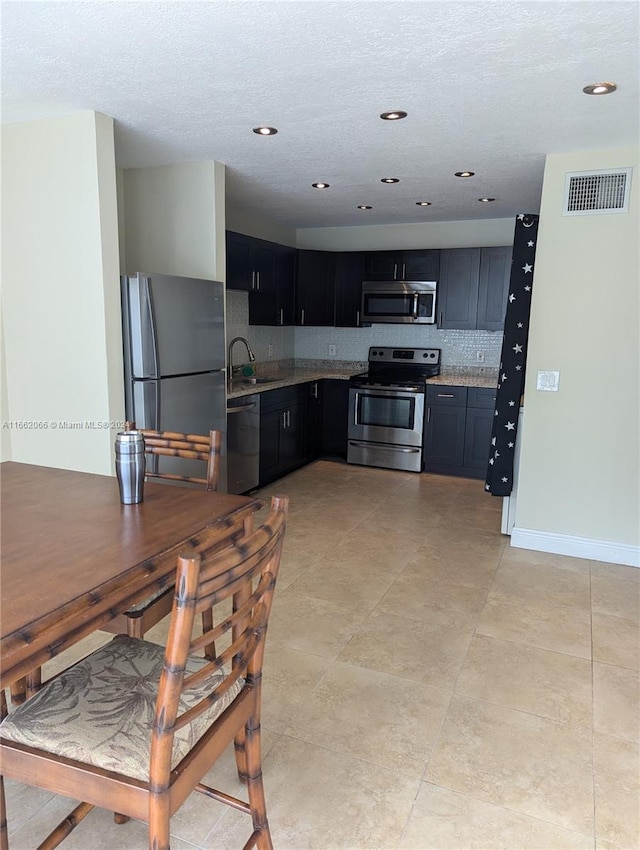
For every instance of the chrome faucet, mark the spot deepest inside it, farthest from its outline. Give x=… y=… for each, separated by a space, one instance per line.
x=252 y=356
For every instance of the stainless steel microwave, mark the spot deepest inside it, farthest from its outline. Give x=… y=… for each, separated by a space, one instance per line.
x=399 y=302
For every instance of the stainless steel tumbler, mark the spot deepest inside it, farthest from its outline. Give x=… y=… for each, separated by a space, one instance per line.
x=130 y=466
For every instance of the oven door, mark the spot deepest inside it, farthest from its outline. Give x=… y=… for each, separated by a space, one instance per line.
x=386 y=415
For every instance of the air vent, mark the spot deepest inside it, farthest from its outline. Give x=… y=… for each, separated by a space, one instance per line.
x=597 y=192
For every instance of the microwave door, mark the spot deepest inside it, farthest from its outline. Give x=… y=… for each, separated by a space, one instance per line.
x=386 y=307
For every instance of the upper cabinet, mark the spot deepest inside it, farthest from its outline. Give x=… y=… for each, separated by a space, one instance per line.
x=402 y=265
x=348 y=282
x=495 y=274
x=250 y=263
x=315 y=288
x=276 y=307
x=473 y=286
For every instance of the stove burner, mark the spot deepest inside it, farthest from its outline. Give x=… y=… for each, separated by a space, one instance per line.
x=399 y=367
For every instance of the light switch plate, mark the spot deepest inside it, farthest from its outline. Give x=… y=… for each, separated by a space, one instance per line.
x=548 y=381
x=332 y=350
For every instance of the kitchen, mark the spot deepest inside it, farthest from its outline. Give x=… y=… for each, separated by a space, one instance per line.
x=578 y=495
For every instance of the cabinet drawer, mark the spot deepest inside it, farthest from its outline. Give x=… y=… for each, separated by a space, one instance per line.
x=281 y=398
x=452 y=396
x=481 y=397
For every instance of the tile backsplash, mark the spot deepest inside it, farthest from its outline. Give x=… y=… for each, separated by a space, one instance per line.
x=459 y=348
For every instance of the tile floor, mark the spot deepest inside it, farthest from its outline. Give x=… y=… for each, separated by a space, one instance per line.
x=426 y=686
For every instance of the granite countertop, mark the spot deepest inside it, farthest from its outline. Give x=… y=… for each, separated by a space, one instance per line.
x=287 y=377
x=461 y=380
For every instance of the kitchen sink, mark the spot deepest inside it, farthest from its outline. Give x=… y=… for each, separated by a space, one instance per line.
x=256 y=380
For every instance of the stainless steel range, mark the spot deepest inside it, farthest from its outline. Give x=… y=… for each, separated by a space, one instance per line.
x=386 y=407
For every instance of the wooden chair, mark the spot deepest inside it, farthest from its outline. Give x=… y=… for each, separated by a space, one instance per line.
x=146 y=614
x=87 y=733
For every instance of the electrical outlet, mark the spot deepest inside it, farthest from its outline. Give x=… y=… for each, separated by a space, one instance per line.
x=332 y=351
x=480 y=356
x=269 y=349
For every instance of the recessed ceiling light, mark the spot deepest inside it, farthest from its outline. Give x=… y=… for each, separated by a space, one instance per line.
x=320 y=185
x=423 y=203
x=600 y=88
x=265 y=131
x=486 y=200
x=464 y=173
x=390 y=180
x=395 y=115
x=364 y=207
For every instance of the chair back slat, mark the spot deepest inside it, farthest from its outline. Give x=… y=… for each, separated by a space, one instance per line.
x=245 y=570
x=189 y=446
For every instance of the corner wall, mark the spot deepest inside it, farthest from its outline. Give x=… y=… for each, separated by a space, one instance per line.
x=171 y=223
x=61 y=301
x=579 y=472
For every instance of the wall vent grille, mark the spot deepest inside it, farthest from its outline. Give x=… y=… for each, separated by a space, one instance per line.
x=597 y=192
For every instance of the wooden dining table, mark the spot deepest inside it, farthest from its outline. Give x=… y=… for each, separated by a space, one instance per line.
x=73 y=556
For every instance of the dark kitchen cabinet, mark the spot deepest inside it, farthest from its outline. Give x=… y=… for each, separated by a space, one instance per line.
x=402 y=265
x=473 y=287
x=313 y=393
x=477 y=438
x=315 y=288
x=445 y=428
x=335 y=416
x=458 y=430
x=282 y=432
x=493 y=288
x=250 y=263
x=276 y=306
x=349 y=274
x=458 y=288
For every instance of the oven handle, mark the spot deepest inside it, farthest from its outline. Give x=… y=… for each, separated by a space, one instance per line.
x=385 y=388
x=380 y=445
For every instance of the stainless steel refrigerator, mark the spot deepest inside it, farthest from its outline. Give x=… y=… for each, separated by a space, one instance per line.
x=174 y=358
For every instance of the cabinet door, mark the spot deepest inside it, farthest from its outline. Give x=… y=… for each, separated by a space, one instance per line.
x=335 y=416
x=477 y=440
x=495 y=274
x=263 y=261
x=239 y=272
x=458 y=288
x=382 y=265
x=444 y=429
x=444 y=438
x=313 y=419
x=420 y=265
x=292 y=437
x=270 y=426
x=315 y=288
x=285 y=285
x=349 y=277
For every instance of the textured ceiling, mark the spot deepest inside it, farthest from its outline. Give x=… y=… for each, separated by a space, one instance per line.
x=490 y=87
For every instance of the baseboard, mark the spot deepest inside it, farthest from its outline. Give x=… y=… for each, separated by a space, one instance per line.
x=577 y=547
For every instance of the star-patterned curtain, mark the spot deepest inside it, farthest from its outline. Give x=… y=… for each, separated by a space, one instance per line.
x=514 y=357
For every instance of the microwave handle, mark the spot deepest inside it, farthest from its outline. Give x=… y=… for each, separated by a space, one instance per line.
x=416 y=301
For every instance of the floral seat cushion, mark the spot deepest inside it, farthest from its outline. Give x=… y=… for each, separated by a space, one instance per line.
x=101 y=710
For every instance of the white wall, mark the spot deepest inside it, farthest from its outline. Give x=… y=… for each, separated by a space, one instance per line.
x=61 y=291
x=171 y=223
x=492 y=232
x=242 y=221
x=579 y=473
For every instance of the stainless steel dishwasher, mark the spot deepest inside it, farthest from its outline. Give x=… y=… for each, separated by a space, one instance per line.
x=243 y=443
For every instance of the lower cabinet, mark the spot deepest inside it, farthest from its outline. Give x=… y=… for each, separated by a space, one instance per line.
x=282 y=432
x=458 y=430
x=335 y=415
